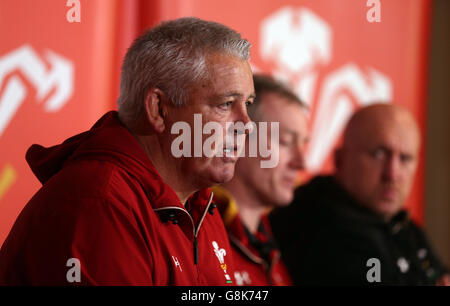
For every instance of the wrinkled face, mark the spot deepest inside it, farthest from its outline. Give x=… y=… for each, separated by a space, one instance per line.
x=223 y=98
x=275 y=186
x=378 y=165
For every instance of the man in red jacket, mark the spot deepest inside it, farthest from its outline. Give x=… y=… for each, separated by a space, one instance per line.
x=255 y=189
x=118 y=205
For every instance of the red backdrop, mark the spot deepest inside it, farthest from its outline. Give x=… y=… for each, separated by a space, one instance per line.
x=58 y=77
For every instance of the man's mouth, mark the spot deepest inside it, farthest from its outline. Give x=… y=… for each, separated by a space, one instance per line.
x=230 y=149
x=290 y=181
x=389 y=193
x=231 y=152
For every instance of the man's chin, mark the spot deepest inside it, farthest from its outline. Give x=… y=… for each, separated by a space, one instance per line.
x=387 y=209
x=219 y=175
x=283 y=201
x=224 y=176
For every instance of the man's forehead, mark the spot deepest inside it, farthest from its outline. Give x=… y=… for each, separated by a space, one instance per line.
x=227 y=76
x=278 y=108
x=398 y=140
x=292 y=117
x=387 y=124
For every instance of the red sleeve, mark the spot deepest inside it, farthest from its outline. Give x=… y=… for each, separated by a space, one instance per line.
x=103 y=236
x=110 y=246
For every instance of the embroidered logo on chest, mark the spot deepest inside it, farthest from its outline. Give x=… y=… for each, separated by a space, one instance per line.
x=221 y=253
x=177 y=263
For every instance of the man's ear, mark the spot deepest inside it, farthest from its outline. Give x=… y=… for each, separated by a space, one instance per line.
x=155 y=101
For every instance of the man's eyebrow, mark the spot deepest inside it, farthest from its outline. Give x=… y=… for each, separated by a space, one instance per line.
x=236 y=94
x=288 y=131
x=383 y=147
x=295 y=133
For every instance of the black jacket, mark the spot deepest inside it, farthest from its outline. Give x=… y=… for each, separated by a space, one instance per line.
x=326 y=238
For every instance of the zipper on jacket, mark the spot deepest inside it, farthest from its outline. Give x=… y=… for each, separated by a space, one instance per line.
x=195 y=250
x=198 y=228
x=195 y=230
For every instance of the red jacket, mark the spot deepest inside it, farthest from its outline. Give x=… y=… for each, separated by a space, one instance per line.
x=103 y=203
x=251 y=267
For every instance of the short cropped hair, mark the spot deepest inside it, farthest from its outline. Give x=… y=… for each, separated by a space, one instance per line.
x=172 y=57
x=265 y=84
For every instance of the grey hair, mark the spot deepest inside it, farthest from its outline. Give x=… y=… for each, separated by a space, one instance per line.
x=172 y=57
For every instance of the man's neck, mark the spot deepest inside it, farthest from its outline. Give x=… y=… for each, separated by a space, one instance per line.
x=250 y=207
x=166 y=168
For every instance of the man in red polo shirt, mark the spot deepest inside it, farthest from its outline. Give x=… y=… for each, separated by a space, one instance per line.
x=255 y=189
x=119 y=205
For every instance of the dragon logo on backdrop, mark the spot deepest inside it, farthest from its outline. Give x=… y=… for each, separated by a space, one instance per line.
x=57 y=79
x=299 y=43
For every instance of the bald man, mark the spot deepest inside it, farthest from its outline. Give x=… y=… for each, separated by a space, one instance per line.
x=350 y=228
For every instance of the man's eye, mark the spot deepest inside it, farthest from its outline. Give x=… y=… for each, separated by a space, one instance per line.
x=404 y=158
x=286 y=141
x=379 y=154
x=225 y=105
x=248 y=103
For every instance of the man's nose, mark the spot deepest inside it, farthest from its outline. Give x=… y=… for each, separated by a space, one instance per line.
x=392 y=168
x=298 y=157
x=242 y=116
